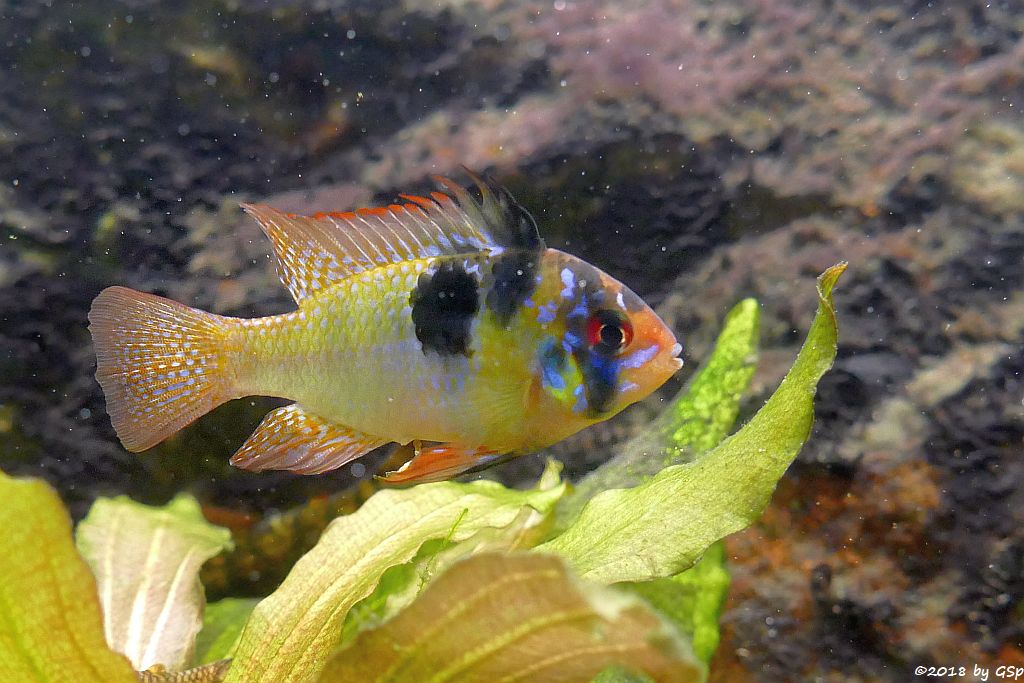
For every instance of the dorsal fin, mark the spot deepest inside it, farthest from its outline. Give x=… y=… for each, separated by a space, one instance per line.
x=314 y=252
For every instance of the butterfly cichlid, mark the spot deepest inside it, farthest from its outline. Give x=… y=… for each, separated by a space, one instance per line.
x=442 y=323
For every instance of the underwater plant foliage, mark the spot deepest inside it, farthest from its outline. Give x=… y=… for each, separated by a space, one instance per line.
x=291 y=633
x=692 y=600
x=426 y=560
x=51 y=625
x=493 y=614
x=222 y=627
x=146 y=562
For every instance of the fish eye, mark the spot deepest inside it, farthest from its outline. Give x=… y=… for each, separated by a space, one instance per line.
x=609 y=332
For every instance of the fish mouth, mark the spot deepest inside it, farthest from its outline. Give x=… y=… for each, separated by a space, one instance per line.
x=674 y=358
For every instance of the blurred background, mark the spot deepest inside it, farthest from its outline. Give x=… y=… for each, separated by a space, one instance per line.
x=701 y=151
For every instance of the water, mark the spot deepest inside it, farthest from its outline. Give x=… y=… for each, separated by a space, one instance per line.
x=699 y=151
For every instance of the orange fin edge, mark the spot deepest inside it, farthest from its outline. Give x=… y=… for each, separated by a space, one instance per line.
x=440 y=462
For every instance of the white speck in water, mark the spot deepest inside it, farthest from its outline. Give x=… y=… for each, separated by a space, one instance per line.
x=350 y=34
x=357 y=469
x=86 y=51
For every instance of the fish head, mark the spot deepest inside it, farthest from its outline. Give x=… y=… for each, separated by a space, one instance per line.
x=601 y=347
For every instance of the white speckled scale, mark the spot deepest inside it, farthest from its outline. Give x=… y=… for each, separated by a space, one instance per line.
x=350 y=354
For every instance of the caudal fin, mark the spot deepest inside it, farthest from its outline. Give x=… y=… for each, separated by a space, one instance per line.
x=161 y=364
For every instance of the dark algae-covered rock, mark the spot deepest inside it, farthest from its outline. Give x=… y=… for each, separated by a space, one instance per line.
x=703 y=153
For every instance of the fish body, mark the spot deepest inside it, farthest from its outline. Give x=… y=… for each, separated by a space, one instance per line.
x=444 y=323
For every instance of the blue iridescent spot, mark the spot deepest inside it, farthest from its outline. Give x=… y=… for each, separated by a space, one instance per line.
x=546 y=313
x=640 y=357
x=581 y=400
x=552 y=362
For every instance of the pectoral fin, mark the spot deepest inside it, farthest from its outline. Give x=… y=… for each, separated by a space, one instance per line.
x=440 y=462
x=291 y=439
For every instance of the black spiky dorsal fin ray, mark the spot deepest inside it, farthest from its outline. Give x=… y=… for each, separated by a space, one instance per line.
x=315 y=252
x=507 y=222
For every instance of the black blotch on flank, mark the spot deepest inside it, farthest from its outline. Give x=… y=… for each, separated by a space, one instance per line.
x=443 y=305
x=514 y=281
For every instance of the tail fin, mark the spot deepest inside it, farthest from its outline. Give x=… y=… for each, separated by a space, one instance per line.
x=161 y=364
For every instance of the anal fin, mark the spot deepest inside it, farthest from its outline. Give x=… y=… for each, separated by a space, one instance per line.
x=439 y=462
x=291 y=439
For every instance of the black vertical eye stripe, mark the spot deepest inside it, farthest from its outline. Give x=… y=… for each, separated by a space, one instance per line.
x=444 y=303
x=600 y=380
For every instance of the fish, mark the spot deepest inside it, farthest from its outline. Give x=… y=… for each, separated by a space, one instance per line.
x=443 y=324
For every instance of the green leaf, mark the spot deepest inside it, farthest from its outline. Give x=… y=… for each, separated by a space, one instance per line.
x=291 y=633
x=51 y=627
x=696 y=421
x=398 y=586
x=691 y=600
x=616 y=674
x=519 y=617
x=662 y=526
x=402 y=583
x=223 y=622
x=146 y=561
x=707 y=409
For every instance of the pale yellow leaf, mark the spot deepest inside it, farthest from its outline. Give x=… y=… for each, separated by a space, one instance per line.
x=146 y=561
x=291 y=633
x=498 y=618
x=51 y=628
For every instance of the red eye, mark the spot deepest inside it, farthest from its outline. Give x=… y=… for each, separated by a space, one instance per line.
x=609 y=332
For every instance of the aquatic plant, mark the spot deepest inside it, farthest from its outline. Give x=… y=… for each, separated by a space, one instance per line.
x=446 y=581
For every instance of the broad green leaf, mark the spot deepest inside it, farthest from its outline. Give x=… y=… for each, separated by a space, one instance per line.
x=291 y=633
x=706 y=411
x=691 y=600
x=519 y=617
x=223 y=622
x=51 y=627
x=402 y=583
x=696 y=421
x=146 y=561
x=398 y=586
x=662 y=526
